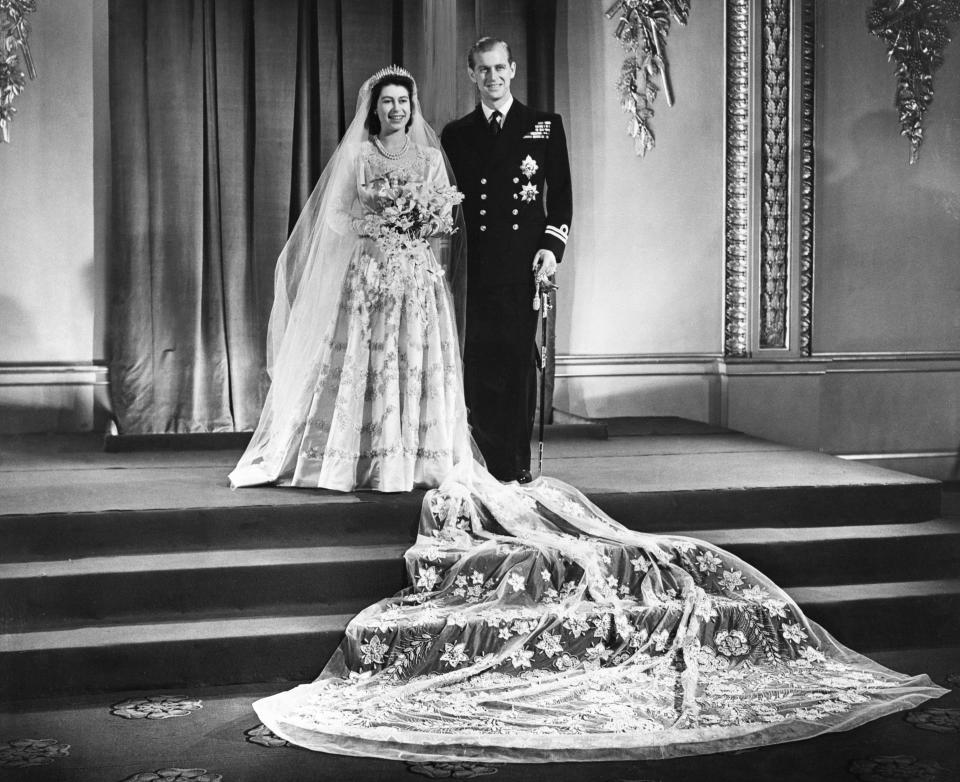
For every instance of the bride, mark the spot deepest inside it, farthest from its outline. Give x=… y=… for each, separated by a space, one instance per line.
x=536 y=628
x=362 y=347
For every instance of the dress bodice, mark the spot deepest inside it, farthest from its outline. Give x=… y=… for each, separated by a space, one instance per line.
x=417 y=163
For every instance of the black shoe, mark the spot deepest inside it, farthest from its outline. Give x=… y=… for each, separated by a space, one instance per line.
x=524 y=476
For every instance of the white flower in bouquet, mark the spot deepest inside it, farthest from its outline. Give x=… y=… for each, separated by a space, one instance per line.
x=408 y=213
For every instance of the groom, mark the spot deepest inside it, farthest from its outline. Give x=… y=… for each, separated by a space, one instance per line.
x=511 y=163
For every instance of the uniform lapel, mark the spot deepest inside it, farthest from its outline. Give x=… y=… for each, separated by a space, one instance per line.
x=478 y=125
x=480 y=134
x=507 y=141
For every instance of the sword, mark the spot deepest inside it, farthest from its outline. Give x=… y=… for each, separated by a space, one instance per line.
x=541 y=301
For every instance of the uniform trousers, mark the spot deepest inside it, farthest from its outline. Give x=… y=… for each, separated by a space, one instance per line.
x=500 y=374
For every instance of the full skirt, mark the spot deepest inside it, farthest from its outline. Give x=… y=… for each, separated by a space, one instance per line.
x=386 y=411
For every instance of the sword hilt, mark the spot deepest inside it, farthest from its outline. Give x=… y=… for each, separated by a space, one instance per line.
x=541 y=298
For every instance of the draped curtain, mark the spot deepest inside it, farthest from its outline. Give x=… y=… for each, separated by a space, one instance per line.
x=223 y=115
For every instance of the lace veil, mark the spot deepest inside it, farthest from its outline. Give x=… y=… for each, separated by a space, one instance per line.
x=307 y=287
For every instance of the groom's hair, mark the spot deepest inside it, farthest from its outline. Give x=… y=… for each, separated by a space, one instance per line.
x=485 y=44
x=373 y=121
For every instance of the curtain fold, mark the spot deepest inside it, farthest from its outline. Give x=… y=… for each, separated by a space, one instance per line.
x=223 y=115
x=167 y=349
x=231 y=113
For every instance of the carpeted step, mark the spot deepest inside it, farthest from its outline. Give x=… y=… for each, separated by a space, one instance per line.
x=785 y=506
x=174 y=586
x=308 y=518
x=146 y=570
x=316 y=520
x=950 y=500
x=168 y=654
x=886 y=615
x=295 y=647
x=868 y=553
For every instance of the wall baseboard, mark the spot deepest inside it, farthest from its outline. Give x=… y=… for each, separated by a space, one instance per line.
x=894 y=410
x=53 y=397
x=939 y=465
x=53 y=373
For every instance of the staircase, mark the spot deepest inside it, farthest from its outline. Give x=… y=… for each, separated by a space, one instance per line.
x=155 y=598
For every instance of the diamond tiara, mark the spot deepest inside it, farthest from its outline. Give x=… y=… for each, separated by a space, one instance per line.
x=390 y=70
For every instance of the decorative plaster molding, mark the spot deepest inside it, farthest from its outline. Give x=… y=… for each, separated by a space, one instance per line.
x=893 y=355
x=636 y=364
x=775 y=161
x=769 y=217
x=808 y=39
x=737 y=211
x=572 y=359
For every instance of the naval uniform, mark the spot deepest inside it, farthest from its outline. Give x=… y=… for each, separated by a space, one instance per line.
x=516 y=182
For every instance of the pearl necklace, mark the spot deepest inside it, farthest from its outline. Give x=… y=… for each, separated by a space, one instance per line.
x=391 y=155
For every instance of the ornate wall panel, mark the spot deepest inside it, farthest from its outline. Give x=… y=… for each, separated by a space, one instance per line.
x=737 y=211
x=769 y=210
x=775 y=148
x=808 y=40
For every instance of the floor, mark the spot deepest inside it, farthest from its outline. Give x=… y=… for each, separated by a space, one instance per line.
x=210 y=735
x=72 y=473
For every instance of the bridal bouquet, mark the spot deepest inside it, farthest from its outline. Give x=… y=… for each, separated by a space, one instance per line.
x=407 y=213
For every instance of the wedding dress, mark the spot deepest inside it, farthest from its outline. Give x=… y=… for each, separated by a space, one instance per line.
x=539 y=629
x=367 y=388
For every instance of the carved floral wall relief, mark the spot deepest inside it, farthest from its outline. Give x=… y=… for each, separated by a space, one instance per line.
x=737 y=159
x=14 y=35
x=916 y=33
x=642 y=31
x=775 y=164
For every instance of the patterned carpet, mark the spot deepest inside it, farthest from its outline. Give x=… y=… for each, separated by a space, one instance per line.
x=212 y=735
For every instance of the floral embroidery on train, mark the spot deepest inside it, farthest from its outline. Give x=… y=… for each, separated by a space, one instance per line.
x=530 y=613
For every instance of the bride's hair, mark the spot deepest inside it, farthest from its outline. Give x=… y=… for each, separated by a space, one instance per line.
x=373 y=121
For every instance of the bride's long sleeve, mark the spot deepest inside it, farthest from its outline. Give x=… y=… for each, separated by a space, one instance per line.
x=451 y=250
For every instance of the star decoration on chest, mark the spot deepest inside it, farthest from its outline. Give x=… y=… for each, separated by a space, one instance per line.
x=528 y=167
x=528 y=192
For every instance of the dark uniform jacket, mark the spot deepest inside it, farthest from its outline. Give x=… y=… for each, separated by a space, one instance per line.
x=517 y=192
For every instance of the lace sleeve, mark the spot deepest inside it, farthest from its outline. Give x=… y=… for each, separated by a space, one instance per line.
x=451 y=251
x=436 y=169
x=436 y=173
x=347 y=207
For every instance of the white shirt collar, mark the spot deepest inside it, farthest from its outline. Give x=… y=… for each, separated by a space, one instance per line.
x=503 y=110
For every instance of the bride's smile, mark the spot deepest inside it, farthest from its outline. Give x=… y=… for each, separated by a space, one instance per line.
x=393 y=109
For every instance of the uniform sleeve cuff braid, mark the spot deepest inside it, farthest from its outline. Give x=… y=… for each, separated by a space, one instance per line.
x=561 y=233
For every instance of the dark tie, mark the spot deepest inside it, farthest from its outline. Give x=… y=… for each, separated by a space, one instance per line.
x=495 y=123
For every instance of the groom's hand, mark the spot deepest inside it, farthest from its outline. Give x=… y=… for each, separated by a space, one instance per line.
x=544 y=264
